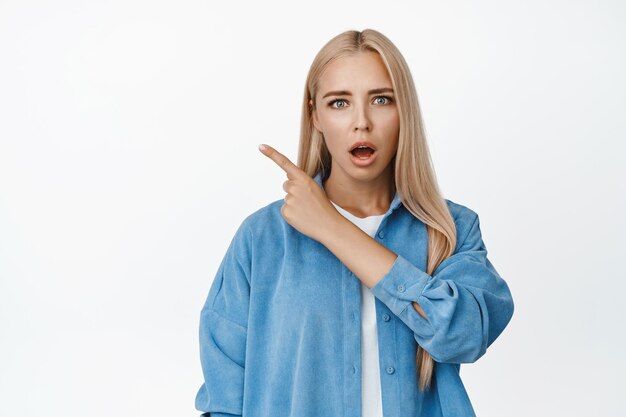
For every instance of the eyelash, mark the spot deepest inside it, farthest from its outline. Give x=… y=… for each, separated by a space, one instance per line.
x=330 y=104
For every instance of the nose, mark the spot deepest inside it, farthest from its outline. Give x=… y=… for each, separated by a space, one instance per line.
x=362 y=120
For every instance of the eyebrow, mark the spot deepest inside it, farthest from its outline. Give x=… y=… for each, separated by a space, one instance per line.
x=347 y=93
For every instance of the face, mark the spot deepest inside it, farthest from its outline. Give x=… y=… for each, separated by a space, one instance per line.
x=355 y=102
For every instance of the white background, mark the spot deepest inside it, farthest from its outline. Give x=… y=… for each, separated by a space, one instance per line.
x=128 y=158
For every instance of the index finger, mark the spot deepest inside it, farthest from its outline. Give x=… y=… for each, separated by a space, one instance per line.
x=281 y=160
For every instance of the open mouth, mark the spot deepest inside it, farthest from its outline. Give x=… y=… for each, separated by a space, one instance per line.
x=362 y=152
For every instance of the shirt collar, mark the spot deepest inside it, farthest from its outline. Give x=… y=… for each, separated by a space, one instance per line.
x=394 y=203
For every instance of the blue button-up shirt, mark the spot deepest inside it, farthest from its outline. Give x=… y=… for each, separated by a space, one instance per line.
x=280 y=328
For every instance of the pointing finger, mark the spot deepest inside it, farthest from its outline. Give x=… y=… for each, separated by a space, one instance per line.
x=281 y=160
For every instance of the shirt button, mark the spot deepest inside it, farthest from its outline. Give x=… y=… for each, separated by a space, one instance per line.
x=386 y=317
x=401 y=288
x=353 y=369
x=381 y=234
x=390 y=370
x=353 y=316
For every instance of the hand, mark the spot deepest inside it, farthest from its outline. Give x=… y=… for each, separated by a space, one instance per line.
x=306 y=206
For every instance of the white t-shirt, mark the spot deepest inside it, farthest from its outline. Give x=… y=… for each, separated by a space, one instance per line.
x=372 y=405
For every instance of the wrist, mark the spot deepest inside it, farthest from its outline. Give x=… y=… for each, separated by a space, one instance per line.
x=336 y=229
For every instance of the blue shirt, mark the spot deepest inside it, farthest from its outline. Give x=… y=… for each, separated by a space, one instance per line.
x=280 y=331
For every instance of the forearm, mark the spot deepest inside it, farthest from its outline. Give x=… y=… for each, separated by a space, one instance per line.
x=363 y=255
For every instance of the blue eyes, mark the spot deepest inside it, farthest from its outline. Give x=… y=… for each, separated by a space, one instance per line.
x=339 y=100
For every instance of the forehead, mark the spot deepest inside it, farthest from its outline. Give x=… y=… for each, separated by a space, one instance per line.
x=364 y=70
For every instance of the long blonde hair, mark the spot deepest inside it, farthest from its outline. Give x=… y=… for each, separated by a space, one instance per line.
x=415 y=179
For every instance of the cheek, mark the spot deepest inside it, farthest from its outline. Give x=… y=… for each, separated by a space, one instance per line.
x=333 y=141
x=334 y=129
x=392 y=124
x=333 y=122
x=390 y=118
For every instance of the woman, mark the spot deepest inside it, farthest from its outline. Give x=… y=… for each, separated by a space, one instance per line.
x=362 y=292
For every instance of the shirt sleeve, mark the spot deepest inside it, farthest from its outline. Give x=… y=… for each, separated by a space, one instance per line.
x=466 y=301
x=223 y=332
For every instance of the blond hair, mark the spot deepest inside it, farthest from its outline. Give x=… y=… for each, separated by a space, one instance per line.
x=415 y=179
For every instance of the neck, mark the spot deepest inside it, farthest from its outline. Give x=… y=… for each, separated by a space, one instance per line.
x=362 y=198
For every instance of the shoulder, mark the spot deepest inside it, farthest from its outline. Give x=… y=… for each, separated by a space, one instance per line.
x=460 y=212
x=264 y=219
x=258 y=226
x=465 y=219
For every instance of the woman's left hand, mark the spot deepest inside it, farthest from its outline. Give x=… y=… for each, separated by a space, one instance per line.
x=306 y=208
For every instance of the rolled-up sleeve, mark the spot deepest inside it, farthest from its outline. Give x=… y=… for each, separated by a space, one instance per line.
x=466 y=302
x=223 y=332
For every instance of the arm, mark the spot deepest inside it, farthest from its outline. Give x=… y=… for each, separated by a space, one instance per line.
x=465 y=302
x=223 y=332
x=364 y=256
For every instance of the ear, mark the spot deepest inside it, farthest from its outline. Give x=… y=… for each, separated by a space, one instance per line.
x=314 y=115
